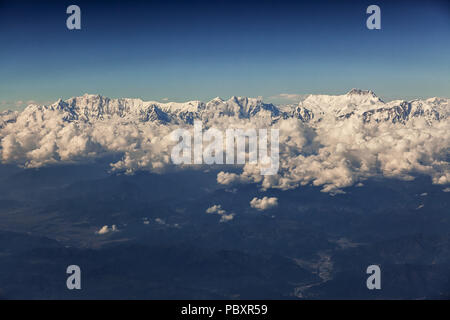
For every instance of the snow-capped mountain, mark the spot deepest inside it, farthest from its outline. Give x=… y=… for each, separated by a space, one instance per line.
x=365 y=105
x=90 y=108
x=360 y=104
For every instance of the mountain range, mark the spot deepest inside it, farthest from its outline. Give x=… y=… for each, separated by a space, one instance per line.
x=360 y=104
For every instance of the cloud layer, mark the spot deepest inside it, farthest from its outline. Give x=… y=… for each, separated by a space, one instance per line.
x=329 y=141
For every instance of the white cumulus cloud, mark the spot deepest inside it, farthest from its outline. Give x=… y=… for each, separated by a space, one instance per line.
x=264 y=204
x=105 y=229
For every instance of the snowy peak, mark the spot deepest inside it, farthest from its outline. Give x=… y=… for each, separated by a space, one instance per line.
x=355 y=102
x=243 y=107
x=359 y=92
x=363 y=96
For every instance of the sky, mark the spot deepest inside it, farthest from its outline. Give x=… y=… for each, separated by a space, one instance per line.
x=198 y=50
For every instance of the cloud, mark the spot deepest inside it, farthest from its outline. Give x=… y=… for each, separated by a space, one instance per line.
x=105 y=229
x=342 y=154
x=227 y=178
x=227 y=217
x=217 y=209
x=264 y=203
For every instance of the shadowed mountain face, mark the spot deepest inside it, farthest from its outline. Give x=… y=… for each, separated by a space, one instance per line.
x=165 y=245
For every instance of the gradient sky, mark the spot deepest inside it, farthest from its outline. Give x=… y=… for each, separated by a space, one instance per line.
x=184 y=50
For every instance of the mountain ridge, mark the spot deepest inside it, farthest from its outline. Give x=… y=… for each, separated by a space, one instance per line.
x=363 y=104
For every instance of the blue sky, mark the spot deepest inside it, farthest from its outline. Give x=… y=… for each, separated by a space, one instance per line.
x=183 y=50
